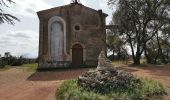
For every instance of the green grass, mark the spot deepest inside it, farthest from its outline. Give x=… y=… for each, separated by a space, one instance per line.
x=127 y=62
x=149 y=88
x=7 y=67
x=31 y=67
x=120 y=62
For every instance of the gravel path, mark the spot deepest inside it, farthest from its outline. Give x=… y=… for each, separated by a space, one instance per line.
x=19 y=84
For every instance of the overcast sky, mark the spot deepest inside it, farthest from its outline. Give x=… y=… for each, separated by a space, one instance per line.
x=22 y=39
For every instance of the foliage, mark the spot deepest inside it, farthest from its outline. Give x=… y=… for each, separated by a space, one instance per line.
x=5 y=17
x=2 y=65
x=8 y=59
x=5 y=68
x=140 y=21
x=149 y=88
x=158 y=49
x=117 y=46
x=17 y=61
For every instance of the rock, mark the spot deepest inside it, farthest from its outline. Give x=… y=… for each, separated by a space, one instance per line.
x=103 y=62
x=106 y=77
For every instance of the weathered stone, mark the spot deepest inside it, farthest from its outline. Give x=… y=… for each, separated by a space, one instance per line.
x=104 y=63
x=106 y=78
x=62 y=28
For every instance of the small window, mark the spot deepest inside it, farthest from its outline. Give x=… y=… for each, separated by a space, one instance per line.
x=77 y=27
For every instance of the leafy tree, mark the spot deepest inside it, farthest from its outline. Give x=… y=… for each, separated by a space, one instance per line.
x=117 y=46
x=140 y=21
x=158 y=48
x=5 y=17
x=7 y=54
x=7 y=58
x=1 y=64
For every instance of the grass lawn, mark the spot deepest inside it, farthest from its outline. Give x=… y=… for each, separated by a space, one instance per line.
x=5 y=68
x=149 y=88
x=31 y=67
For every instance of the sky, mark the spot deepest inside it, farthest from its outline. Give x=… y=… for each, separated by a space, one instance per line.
x=23 y=37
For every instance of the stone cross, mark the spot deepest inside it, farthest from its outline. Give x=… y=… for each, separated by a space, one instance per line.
x=103 y=62
x=76 y=1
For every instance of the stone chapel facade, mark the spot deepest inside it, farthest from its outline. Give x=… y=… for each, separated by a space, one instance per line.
x=71 y=36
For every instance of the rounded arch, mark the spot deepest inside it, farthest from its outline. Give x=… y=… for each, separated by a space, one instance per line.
x=78 y=44
x=77 y=55
x=83 y=47
x=63 y=23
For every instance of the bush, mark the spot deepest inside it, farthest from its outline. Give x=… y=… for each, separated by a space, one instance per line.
x=149 y=88
x=16 y=62
x=2 y=65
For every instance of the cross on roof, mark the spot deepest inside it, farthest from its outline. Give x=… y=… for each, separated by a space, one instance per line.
x=76 y=1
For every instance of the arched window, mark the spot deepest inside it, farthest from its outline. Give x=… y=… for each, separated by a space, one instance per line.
x=57 y=41
x=56 y=27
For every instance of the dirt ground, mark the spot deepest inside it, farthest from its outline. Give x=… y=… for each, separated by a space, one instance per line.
x=19 y=84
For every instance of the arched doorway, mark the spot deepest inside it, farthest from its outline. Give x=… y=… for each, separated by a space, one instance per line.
x=77 y=55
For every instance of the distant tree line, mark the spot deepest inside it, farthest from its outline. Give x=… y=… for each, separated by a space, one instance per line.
x=8 y=59
x=144 y=27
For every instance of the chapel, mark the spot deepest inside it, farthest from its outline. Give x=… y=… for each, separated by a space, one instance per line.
x=72 y=35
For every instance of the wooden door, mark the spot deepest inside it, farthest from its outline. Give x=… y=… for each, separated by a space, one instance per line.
x=77 y=55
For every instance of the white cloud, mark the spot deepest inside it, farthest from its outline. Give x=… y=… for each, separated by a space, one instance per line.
x=83 y=2
x=19 y=42
x=66 y=2
x=27 y=8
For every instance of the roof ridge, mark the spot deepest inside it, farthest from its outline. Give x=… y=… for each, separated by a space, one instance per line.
x=71 y=4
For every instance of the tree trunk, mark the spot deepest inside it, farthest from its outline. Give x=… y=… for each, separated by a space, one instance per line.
x=137 y=62
x=137 y=59
x=148 y=59
x=113 y=56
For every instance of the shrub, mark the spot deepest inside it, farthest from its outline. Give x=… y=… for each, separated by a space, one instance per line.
x=2 y=65
x=149 y=88
x=16 y=62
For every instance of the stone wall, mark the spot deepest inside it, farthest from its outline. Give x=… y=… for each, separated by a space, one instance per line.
x=90 y=33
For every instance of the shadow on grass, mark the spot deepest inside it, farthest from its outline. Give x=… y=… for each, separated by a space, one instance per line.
x=56 y=74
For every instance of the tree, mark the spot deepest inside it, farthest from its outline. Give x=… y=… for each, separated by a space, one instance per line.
x=117 y=46
x=1 y=62
x=7 y=57
x=158 y=48
x=7 y=54
x=140 y=21
x=5 y=17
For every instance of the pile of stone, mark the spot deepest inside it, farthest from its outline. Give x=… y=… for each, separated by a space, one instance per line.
x=106 y=77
